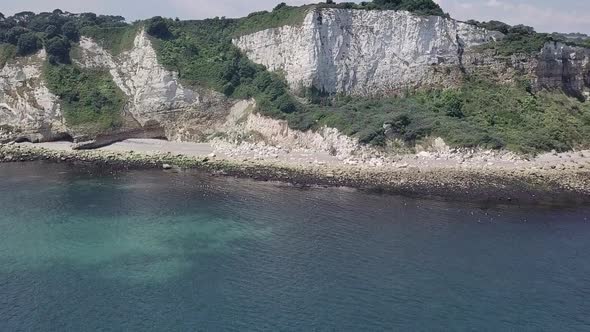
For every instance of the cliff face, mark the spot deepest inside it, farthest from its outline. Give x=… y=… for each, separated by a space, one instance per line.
x=156 y=98
x=157 y=103
x=335 y=50
x=366 y=52
x=380 y=52
x=566 y=67
x=27 y=108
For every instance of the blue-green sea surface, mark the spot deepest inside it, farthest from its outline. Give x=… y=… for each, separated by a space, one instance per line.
x=162 y=251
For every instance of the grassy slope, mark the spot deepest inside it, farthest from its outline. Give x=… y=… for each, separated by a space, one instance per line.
x=266 y=20
x=114 y=39
x=90 y=99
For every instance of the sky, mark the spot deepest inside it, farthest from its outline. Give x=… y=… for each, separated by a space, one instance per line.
x=544 y=15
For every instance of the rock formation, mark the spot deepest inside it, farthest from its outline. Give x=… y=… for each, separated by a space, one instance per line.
x=382 y=52
x=366 y=52
x=334 y=50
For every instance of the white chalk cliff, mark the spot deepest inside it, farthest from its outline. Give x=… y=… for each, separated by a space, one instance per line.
x=27 y=108
x=365 y=52
x=156 y=98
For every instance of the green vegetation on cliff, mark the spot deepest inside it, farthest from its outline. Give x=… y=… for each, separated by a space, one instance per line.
x=521 y=39
x=480 y=113
x=116 y=40
x=202 y=53
x=89 y=98
x=283 y=14
x=55 y=31
x=7 y=52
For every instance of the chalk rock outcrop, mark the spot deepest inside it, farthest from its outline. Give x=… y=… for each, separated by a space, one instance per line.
x=28 y=111
x=362 y=52
x=156 y=98
x=563 y=66
x=366 y=52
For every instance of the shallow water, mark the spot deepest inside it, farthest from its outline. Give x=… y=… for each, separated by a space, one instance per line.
x=150 y=250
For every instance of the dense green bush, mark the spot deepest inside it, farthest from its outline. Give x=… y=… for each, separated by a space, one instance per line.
x=157 y=27
x=7 y=52
x=421 y=7
x=492 y=25
x=89 y=98
x=480 y=113
x=523 y=39
x=58 y=50
x=29 y=31
x=28 y=43
x=281 y=15
x=518 y=39
x=71 y=31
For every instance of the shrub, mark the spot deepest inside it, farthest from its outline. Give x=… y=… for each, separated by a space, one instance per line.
x=7 y=52
x=70 y=31
x=14 y=33
x=51 y=31
x=422 y=7
x=90 y=99
x=29 y=31
x=157 y=27
x=28 y=43
x=58 y=50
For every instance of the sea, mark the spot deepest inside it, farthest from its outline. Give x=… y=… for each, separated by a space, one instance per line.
x=86 y=249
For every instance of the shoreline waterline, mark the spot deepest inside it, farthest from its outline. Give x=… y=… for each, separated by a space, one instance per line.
x=513 y=185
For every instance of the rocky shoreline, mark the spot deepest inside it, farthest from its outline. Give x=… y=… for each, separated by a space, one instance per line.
x=516 y=185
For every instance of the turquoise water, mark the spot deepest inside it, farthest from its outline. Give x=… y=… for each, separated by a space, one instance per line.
x=157 y=251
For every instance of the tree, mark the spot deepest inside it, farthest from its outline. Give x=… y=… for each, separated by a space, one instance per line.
x=58 y=49
x=426 y=7
x=158 y=27
x=51 y=31
x=23 y=17
x=28 y=43
x=521 y=30
x=388 y=4
x=497 y=26
x=14 y=33
x=285 y=104
x=70 y=31
x=280 y=6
